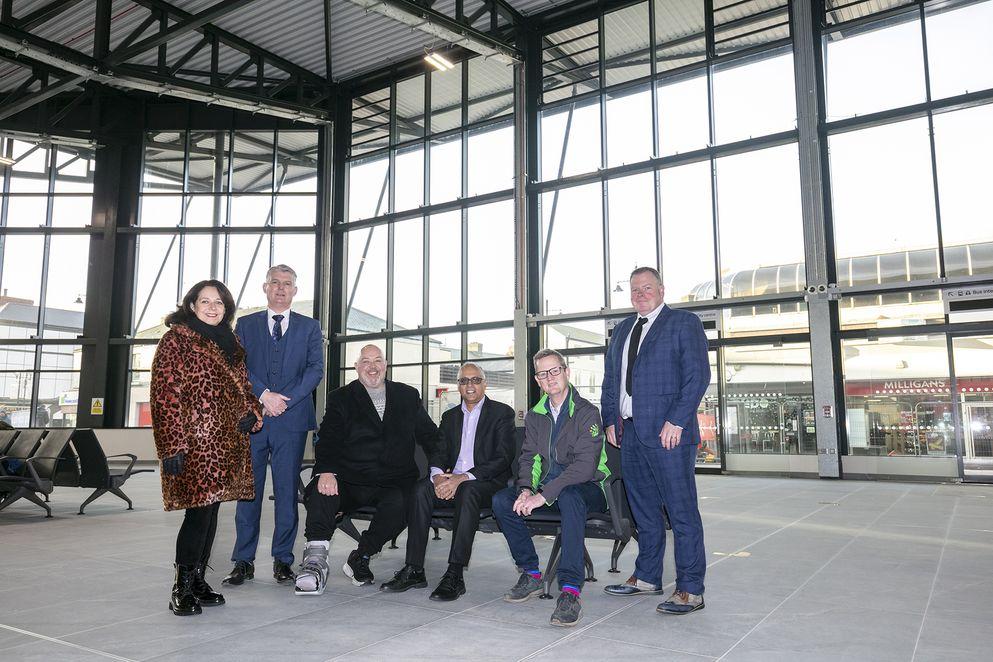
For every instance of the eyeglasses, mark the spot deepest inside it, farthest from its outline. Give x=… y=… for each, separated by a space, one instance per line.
x=465 y=381
x=542 y=375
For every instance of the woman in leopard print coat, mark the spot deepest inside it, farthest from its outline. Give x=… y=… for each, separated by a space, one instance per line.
x=202 y=411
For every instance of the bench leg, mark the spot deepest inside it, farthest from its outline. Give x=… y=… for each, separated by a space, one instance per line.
x=590 y=575
x=615 y=554
x=21 y=493
x=393 y=543
x=116 y=491
x=437 y=535
x=97 y=493
x=553 y=565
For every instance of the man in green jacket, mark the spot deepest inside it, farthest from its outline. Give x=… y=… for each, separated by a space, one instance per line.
x=562 y=466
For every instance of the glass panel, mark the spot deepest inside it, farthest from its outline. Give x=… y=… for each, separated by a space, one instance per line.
x=368 y=180
x=365 y=305
x=161 y=211
x=491 y=159
x=408 y=274
x=586 y=374
x=251 y=210
x=625 y=44
x=446 y=99
x=570 y=140
x=500 y=381
x=491 y=89
x=20 y=281
x=410 y=108
x=740 y=24
x=839 y=11
x=371 y=121
x=964 y=149
x=408 y=350
x=139 y=406
x=684 y=120
x=155 y=286
x=445 y=347
x=973 y=358
x=73 y=171
x=27 y=211
x=296 y=162
x=707 y=415
x=15 y=357
x=490 y=344
x=570 y=61
x=164 y=156
x=570 y=335
x=445 y=264
x=296 y=210
x=67 y=273
x=754 y=97
x=408 y=182
x=297 y=251
x=198 y=259
x=758 y=199
x=959 y=37
x=882 y=195
x=679 y=34
x=443 y=391
x=491 y=262
x=202 y=211
x=247 y=262
x=58 y=393
x=209 y=161
x=252 y=165
x=898 y=396
x=768 y=399
x=874 y=68
x=631 y=217
x=446 y=169
x=572 y=257
x=409 y=375
x=72 y=211
x=687 y=233
x=15 y=396
x=629 y=126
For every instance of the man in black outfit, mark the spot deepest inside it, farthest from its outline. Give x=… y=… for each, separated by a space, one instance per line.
x=364 y=457
x=471 y=463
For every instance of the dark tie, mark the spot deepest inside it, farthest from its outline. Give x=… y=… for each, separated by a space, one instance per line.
x=277 y=328
x=633 y=352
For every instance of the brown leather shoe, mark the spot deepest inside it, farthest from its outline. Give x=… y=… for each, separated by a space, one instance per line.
x=681 y=602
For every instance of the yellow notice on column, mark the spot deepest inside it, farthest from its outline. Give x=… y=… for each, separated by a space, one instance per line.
x=96 y=407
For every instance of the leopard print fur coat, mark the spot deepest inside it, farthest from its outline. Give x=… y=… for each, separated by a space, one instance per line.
x=197 y=399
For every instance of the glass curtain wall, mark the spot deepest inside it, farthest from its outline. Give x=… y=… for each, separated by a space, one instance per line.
x=910 y=132
x=668 y=139
x=428 y=234
x=225 y=205
x=45 y=213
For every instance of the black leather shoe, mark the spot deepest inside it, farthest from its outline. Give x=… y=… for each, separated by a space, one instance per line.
x=449 y=588
x=242 y=570
x=282 y=572
x=183 y=602
x=405 y=578
x=207 y=596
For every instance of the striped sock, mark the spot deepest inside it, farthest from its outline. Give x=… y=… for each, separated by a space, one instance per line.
x=536 y=574
x=569 y=588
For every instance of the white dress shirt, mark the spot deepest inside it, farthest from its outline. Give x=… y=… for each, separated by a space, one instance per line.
x=626 y=406
x=285 y=323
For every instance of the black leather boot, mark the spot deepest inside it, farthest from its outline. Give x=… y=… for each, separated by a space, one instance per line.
x=183 y=602
x=207 y=596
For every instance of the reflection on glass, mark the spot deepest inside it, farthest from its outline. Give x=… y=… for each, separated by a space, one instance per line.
x=570 y=61
x=491 y=159
x=687 y=233
x=768 y=400
x=572 y=249
x=882 y=196
x=754 y=97
x=957 y=39
x=491 y=262
x=631 y=214
x=208 y=163
x=759 y=213
x=445 y=265
x=973 y=357
x=570 y=140
x=964 y=152
x=684 y=120
x=679 y=34
x=410 y=108
x=874 y=68
x=371 y=121
x=708 y=414
x=408 y=274
x=626 y=44
x=365 y=291
x=164 y=161
x=898 y=396
x=55 y=390
x=491 y=89
x=629 y=126
x=252 y=162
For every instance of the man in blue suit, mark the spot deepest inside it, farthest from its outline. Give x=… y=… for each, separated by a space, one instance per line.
x=656 y=372
x=285 y=357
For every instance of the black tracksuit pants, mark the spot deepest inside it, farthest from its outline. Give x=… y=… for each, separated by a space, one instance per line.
x=390 y=518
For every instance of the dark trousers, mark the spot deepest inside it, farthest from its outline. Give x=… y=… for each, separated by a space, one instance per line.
x=574 y=503
x=390 y=518
x=196 y=535
x=656 y=477
x=283 y=453
x=470 y=497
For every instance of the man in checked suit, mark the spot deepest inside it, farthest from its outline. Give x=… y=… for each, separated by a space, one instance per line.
x=656 y=372
x=285 y=357
x=469 y=465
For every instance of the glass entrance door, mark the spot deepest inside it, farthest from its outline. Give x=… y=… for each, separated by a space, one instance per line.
x=973 y=361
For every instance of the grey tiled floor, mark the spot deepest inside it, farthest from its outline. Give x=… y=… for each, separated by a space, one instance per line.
x=799 y=570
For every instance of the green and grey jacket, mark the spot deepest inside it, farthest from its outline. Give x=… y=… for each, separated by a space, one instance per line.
x=579 y=447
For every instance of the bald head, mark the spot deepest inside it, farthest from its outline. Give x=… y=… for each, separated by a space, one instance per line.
x=371 y=366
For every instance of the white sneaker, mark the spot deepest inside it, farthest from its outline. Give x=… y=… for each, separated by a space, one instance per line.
x=313 y=576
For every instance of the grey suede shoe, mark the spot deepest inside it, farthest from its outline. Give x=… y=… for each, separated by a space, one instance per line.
x=526 y=587
x=568 y=609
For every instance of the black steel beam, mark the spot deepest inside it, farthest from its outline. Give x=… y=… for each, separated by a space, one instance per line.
x=189 y=24
x=44 y=13
x=41 y=95
x=101 y=29
x=190 y=54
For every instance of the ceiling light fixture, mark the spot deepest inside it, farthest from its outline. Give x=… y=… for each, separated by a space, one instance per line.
x=4 y=161
x=439 y=62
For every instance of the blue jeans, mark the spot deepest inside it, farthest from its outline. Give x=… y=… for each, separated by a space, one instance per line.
x=574 y=503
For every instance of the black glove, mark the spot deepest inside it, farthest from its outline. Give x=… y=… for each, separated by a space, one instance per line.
x=173 y=466
x=247 y=422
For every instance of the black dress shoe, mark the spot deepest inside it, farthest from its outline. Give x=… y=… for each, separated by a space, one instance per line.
x=405 y=578
x=242 y=570
x=449 y=588
x=282 y=572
